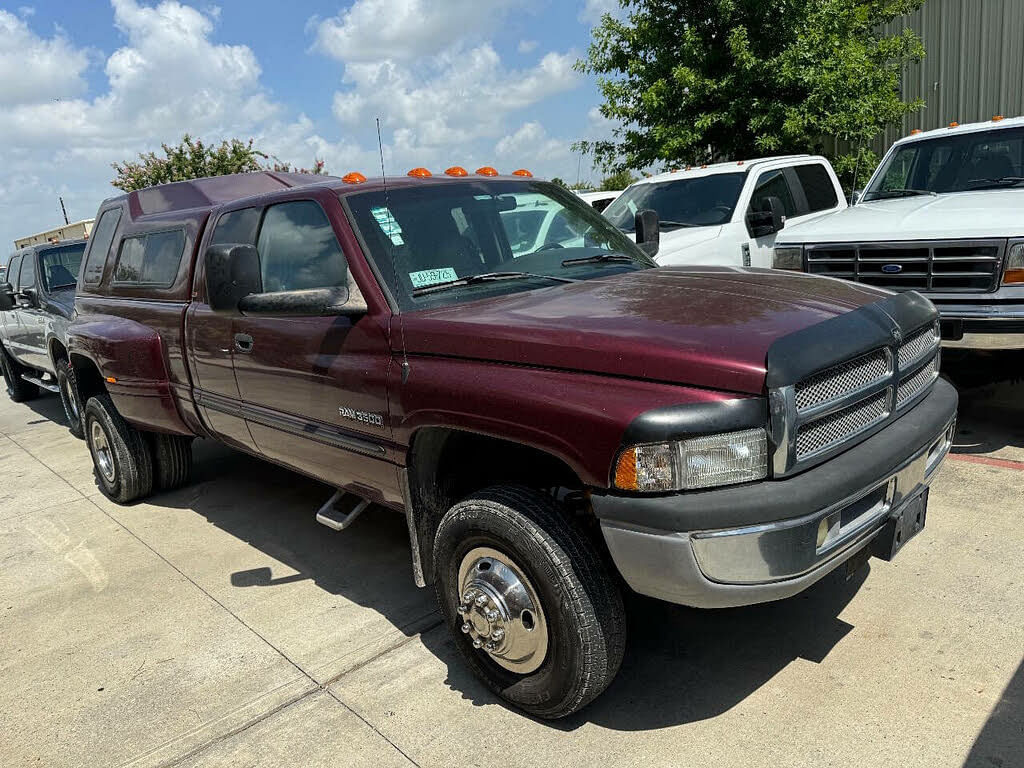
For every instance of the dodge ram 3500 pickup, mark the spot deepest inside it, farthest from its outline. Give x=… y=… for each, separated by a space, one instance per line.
x=36 y=302
x=718 y=436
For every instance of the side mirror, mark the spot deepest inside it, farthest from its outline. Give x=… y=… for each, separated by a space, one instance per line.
x=6 y=296
x=311 y=302
x=768 y=220
x=29 y=297
x=648 y=231
x=232 y=273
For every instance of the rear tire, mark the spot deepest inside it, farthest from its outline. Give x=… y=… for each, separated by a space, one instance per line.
x=18 y=389
x=67 y=383
x=121 y=458
x=172 y=460
x=570 y=597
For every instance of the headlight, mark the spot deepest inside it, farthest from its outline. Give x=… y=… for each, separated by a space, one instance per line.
x=788 y=258
x=1014 y=272
x=700 y=462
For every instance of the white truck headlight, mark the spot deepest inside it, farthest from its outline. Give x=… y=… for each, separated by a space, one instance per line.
x=788 y=258
x=700 y=462
x=1014 y=272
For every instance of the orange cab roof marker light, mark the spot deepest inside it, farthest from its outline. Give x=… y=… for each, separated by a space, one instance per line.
x=954 y=124
x=486 y=171
x=419 y=173
x=996 y=118
x=915 y=132
x=456 y=170
x=523 y=172
x=355 y=177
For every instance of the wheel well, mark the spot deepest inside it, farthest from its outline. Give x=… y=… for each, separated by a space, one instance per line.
x=446 y=465
x=58 y=351
x=88 y=378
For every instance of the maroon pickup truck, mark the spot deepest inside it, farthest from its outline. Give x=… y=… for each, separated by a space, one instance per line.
x=548 y=418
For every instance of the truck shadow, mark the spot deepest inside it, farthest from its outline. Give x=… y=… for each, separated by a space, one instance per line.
x=685 y=665
x=1002 y=736
x=991 y=409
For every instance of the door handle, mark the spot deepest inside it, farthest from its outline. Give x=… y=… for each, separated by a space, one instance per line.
x=243 y=342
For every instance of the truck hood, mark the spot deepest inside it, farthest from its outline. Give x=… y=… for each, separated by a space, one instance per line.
x=982 y=214
x=699 y=326
x=675 y=240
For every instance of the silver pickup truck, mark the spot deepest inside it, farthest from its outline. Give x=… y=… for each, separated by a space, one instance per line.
x=37 y=298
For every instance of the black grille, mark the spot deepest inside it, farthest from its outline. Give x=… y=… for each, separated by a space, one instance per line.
x=840 y=426
x=840 y=380
x=940 y=267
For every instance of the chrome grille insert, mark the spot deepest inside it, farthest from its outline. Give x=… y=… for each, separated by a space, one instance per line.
x=912 y=384
x=943 y=266
x=841 y=380
x=917 y=346
x=836 y=427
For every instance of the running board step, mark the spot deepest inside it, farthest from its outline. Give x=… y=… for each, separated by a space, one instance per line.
x=40 y=383
x=334 y=518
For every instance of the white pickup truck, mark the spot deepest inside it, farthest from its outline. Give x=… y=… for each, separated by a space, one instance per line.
x=943 y=215
x=729 y=213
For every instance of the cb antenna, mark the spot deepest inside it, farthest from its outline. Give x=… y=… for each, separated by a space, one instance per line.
x=391 y=253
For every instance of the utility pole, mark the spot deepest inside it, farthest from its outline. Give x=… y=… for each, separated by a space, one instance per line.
x=64 y=210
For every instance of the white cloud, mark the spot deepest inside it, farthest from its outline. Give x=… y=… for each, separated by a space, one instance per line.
x=404 y=29
x=593 y=10
x=34 y=69
x=526 y=46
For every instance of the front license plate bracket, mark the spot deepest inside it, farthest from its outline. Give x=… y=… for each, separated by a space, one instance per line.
x=904 y=525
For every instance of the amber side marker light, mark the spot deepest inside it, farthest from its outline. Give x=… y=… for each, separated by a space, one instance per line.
x=625 y=471
x=355 y=177
x=486 y=171
x=111 y=380
x=456 y=170
x=419 y=173
x=523 y=172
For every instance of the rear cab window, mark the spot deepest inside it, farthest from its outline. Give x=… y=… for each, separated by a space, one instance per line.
x=151 y=259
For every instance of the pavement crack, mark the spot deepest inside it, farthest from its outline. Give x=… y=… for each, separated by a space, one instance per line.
x=372 y=727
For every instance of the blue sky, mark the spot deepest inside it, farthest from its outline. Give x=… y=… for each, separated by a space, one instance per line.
x=466 y=82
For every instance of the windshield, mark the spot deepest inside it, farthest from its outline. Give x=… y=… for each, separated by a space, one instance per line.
x=60 y=265
x=698 y=202
x=435 y=238
x=954 y=163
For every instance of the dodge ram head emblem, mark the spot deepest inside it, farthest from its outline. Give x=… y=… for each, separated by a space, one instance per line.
x=892 y=269
x=897 y=335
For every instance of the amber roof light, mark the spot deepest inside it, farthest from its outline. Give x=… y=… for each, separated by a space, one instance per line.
x=915 y=132
x=486 y=171
x=355 y=177
x=954 y=124
x=996 y=118
x=419 y=173
x=456 y=170
x=523 y=172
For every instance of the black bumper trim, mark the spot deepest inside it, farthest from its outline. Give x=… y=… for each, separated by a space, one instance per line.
x=770 y=501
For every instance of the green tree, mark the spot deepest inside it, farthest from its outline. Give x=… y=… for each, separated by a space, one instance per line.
x=559 y=181
x=192 y=159
x=691 y=81
x=616 y=181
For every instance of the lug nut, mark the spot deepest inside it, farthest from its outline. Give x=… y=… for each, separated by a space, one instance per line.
x=462 y=610
x=466 y=627
x=490 y=646
x=498 y=635
x=469 y=595
x=493 y=615
x=481 y=600
x=477 y=642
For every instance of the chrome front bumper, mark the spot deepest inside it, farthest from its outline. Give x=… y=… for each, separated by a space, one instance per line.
x=753 y=563
x=984 y=326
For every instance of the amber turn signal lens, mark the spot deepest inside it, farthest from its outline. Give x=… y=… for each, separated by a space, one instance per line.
x=456 y=170
x=419 y=173
x=486 y=171
x=355 y=177
x=625 y=471
x=1013 y=276
x=523 y=172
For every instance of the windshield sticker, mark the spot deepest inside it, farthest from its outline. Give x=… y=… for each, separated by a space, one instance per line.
x=388 y=225
x=427 y=277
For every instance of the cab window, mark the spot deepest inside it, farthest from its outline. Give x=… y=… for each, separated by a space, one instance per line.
x=298 y=249
x=99 y=245
x=12 y=271
x=151 y=259
x=237 y=227
x=28 y=273
x=818 y=188
x=773 y=184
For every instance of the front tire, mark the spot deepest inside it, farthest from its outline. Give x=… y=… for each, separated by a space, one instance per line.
x=18 y=389
x=67 y=383
x=532 y=608
x=121 y=459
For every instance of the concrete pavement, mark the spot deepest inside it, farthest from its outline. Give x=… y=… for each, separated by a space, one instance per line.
x=219 y=625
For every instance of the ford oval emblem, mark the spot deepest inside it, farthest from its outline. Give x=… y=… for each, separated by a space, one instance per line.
x=892 y=269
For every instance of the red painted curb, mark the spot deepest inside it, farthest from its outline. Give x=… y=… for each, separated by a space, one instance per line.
x=987 y=460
